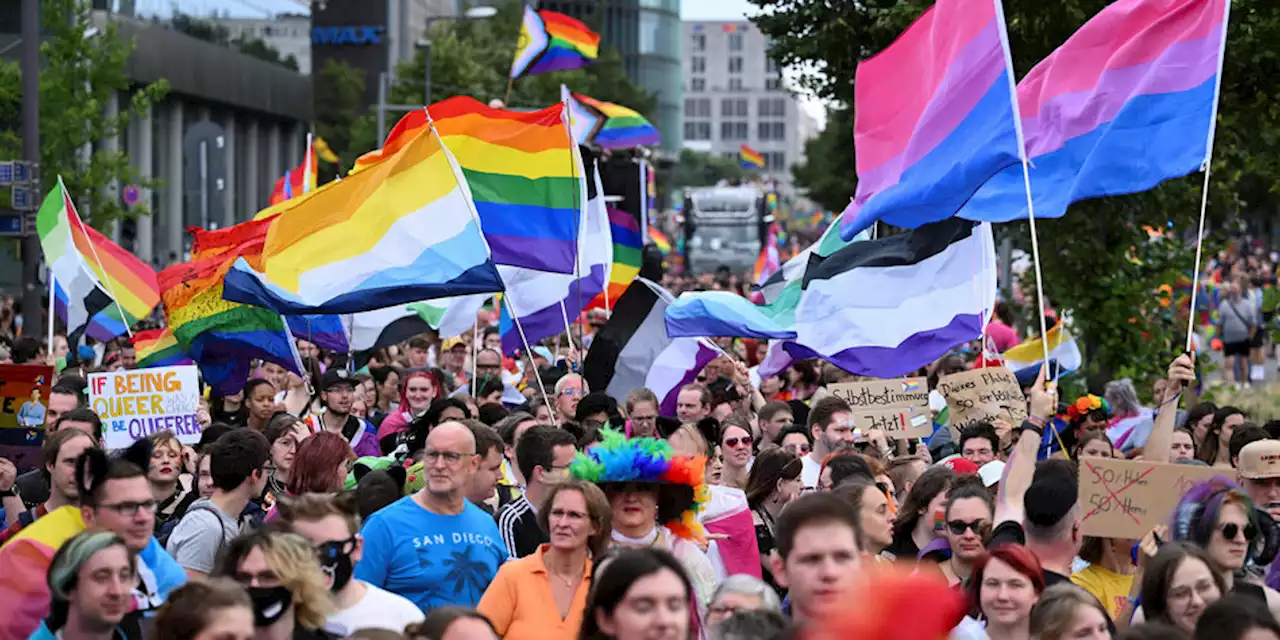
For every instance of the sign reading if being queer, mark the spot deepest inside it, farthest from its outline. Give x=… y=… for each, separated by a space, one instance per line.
x=135 y=404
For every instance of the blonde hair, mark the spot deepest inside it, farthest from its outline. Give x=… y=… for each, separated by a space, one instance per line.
x=163 y=438
x=689 y=430
x=1056 y=610
x=293 y=560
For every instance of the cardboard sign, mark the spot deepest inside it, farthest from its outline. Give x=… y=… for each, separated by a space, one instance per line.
x=1126 y=498
x=981 y=395
x=899 y=407
x=24 y=401
x=135 y=404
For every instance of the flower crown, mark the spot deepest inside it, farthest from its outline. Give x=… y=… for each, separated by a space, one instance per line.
x=619 y=459
x=1085 y=405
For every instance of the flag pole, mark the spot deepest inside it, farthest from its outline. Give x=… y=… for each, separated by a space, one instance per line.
x=525 y=341
x=1204 y=192
x=53 y=284
x=475 y=353
x=506 y=97
x=568 y=329
x=124 y=319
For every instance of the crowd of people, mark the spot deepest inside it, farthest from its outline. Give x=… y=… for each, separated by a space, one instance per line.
x=445 y=491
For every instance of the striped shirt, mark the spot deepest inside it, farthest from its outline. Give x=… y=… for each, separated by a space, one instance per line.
x=518 y=524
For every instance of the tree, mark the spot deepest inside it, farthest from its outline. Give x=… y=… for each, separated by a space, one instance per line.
x=697 y=169
x=339 y=99
x=78 y=76
x=258 y=48
x=218 y=34
x=832 y=148
x=1085 y=261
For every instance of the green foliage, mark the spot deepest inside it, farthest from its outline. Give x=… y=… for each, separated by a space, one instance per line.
x=697 y=169
x=339 y=99
x=211 y=31
x=78 y=76
x=1086 y=270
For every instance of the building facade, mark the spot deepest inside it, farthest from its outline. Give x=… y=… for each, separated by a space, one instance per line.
x=288 y=33
x=647 y=35
x=734 y=94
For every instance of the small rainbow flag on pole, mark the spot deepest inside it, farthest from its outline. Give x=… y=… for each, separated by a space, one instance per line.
x=551 y=41
x=749 y=158
x=627 y=245
x=298 y=180
x=158 y=348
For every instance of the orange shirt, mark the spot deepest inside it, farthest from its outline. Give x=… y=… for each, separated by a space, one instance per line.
x=520 y=605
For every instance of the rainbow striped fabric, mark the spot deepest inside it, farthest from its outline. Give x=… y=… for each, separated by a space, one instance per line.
x=525 y=176
x=99 y=288
x=660 y=240
x=622 y=128
x=400 y=231
x=551 y=41
x=749 y=158
x=158 y=348
x=627 y=245
x=298 y=180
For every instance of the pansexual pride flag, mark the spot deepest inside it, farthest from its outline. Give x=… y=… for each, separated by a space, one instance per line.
x=1127 y=102
x=551 y=41
x=622 y=128
x=627 y=245
x=525 y=175
x=934 y=117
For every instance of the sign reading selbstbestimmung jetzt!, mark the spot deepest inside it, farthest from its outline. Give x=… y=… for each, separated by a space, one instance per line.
x=135 y=404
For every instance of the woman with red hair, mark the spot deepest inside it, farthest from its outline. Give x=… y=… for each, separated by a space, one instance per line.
x=1005 y=584
x=320 y=466
x=418 y=389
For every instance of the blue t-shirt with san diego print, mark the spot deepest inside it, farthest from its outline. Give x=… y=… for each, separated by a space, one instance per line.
x=434 y=560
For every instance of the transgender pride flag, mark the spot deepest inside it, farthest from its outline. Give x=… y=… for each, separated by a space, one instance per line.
x=933 y=117
x=1127 y=102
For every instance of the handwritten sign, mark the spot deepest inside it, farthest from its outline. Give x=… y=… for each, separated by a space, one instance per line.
x=24 y=401
x=899 y=407
x=135 y=404
x=982 y=395
x=1126 y=498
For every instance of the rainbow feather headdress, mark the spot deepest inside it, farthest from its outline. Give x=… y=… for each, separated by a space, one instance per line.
x=617 y=459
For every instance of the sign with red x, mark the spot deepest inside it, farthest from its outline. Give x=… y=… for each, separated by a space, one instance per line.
x=1125 y=499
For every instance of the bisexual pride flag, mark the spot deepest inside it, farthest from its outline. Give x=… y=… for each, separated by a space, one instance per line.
x=934 y=117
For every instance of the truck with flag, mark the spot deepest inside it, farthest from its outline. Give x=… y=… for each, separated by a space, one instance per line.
x=724 y=226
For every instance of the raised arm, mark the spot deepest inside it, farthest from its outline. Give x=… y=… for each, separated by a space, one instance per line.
x=1021 y=467
x=1182 y=373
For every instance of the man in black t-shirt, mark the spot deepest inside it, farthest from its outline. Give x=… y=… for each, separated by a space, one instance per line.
x=543 y=454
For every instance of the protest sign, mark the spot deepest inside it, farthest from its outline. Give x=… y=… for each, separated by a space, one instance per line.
x=1126 y=498
x=135 y=404
x=982 y=395
x=24 y=399
x=900 y=407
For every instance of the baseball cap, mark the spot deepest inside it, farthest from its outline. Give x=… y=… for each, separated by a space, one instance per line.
x=1260 y=459
x=334 y=377
x=961 y=466
x=450 y=343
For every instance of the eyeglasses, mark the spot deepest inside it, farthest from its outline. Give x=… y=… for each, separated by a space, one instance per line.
x=1230 y=530
x=571 y=392
x=450 y=458
x=958 y=527
x=130 y=509
x=735 y=442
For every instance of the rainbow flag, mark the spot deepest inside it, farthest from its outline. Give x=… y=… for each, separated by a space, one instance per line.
x=525 y=176
x=298 y=180
x=749 y=158
x=627 y=245
x=660 y=240
x=584 y=121
x=99 y=288
x=622 y=128
x=401 y=231
x=158 y=348
x=551 y=41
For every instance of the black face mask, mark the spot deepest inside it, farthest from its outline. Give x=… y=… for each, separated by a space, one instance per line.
x=335 y=559
x=269 y=604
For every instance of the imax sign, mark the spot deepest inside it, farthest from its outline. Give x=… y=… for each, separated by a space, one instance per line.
x=358 y=36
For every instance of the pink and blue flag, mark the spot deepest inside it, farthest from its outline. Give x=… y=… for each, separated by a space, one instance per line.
x=934 y=117
x=1127 y=102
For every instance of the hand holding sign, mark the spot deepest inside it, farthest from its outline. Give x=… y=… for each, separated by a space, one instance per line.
x=982 y=395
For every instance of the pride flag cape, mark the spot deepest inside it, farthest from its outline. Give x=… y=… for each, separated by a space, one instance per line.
x=1127 y=102
x=627 y=246
x=401 y=231
x=749 y=158
x=934 y=117
x=622 y=128
x=158 y=348
x=99 y=288
x=551 y=41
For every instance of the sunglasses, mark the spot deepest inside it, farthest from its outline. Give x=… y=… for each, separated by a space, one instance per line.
x=1230 y=530
x=802 y=448
x=734 y=442
x=958 y=527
